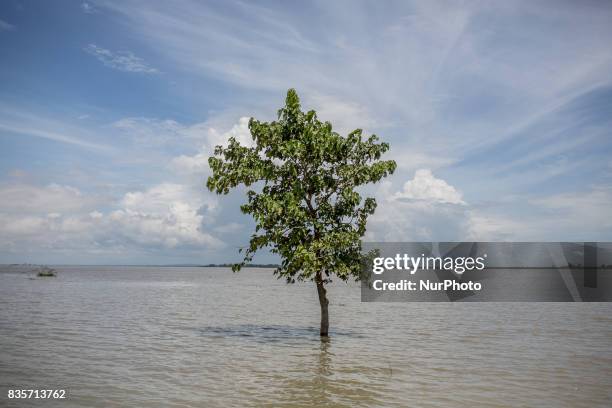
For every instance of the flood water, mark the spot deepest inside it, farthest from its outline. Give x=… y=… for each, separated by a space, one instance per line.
x=204 y=337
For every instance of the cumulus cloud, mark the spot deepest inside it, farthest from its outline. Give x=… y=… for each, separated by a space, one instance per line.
x=122 y=60
x=198 y=163
x=25 y=198
x=167 y=214
x=62 y=218
x=34 y=217
x=430 y=209
x=446 y=80
x=167 y=217
x=240 y=131
x=195 y=164
x=426 y=187
x=425 y=209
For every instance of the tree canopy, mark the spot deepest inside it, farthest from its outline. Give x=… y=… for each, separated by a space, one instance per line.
x=302 y=179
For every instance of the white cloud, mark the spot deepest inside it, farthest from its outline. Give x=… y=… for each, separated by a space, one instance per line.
x=426 y=187
x=30 y=199
x=426 y=209
x=495 y=227
x=430 y=209
x=240 y=131
x=344 y=115
x=595 y=200
x=410 y=160
x=167 y=214
x=122 y=60
x=454 y=77
x=580 y=214
x=88 y=8
x=96 y=214
x=62 y=218
x=170 y=133
x=442 y=83
x=150 y=131
x=198 y=163
x=230 y=228
x=159 y=198
x=4 y=26
x=41 y=217
x=22 y=122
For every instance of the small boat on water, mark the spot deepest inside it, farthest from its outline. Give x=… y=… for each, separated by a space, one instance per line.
x=46 y=272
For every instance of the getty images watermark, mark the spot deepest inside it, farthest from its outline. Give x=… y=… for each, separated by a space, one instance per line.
x=487 y=271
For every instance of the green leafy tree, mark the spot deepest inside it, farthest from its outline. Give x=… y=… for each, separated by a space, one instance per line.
x=301 y=180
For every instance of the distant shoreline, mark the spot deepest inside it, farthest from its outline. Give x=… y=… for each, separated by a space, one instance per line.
x=224 y=265
x=270 y=266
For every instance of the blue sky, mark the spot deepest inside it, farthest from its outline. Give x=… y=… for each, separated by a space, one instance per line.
x=498 y=114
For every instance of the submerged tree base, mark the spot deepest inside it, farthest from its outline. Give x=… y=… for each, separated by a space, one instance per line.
x=324 y=302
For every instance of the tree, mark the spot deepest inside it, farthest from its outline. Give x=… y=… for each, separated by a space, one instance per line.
x=301 y=178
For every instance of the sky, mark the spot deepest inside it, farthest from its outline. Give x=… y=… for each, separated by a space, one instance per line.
x=498 y=114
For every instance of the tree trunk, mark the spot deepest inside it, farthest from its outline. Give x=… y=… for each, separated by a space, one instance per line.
x=324 y=303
